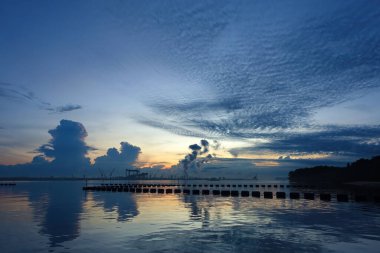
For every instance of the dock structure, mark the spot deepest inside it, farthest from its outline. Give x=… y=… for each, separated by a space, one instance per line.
x=232 y=190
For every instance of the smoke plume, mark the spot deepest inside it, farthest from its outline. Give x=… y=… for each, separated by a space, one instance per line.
x=193 y=160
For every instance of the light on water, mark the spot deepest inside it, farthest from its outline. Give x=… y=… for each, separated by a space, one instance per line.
x=60 y=217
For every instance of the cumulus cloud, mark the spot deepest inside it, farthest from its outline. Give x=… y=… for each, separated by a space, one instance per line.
x=118 y=159
x=38 y=167
x=67 y=147
x=66 y=155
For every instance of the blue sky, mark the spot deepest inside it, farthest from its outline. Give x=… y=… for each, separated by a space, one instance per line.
x=297 y=79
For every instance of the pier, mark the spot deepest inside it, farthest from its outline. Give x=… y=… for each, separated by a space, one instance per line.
x=232 y=190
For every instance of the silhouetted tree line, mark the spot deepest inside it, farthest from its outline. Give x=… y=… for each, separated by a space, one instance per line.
x=360 y=170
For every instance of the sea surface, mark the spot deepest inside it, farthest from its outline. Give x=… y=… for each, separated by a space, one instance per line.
x=58 y=216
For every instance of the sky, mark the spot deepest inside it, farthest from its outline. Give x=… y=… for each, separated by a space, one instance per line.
x=271 y=85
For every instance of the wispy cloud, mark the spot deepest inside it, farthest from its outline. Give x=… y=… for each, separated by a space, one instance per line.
x=358 y=141
x=18 y=93
x=21 y=94
x=67 y=108
x=173 y=127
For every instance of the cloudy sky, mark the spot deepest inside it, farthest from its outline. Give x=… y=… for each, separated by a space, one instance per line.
x=268 y=81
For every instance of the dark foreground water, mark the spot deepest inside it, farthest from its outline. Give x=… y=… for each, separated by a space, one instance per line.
x=60 y=217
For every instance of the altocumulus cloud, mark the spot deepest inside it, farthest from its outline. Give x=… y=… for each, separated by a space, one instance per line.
x=66 y=155
x=263 y=67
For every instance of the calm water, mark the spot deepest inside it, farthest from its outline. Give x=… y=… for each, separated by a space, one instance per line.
x=60 y=217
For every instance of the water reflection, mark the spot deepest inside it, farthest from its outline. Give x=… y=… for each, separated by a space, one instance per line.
x=115 y=221
x=123 y=203
x=259 y=225
x=191 y=202
x=57 y=208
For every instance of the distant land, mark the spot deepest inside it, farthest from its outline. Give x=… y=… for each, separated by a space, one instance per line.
x=362 y=170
